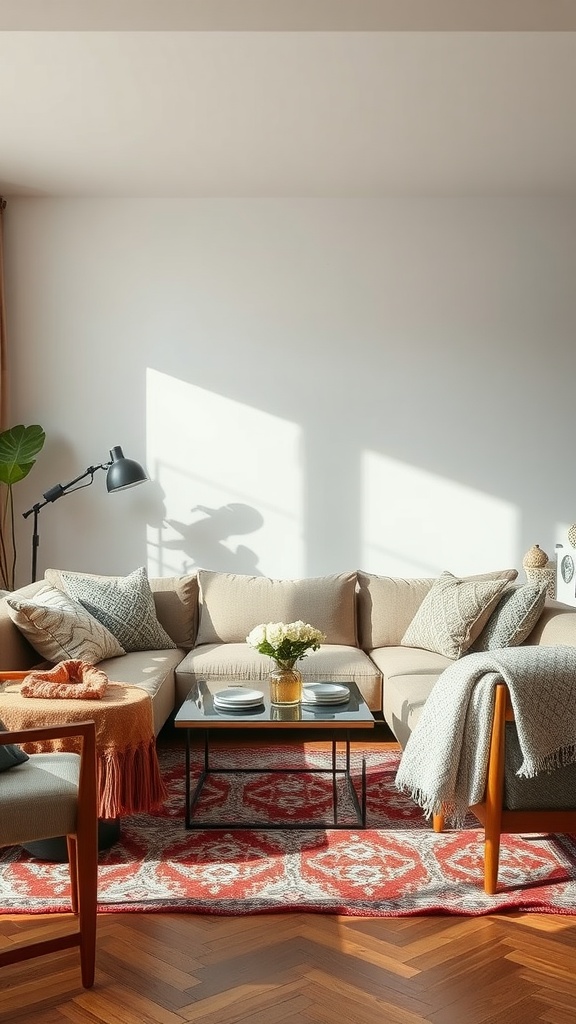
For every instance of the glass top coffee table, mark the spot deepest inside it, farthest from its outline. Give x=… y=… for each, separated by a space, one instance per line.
x=200 y=716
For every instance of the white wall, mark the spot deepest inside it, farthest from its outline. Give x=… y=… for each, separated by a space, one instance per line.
x=314 y=385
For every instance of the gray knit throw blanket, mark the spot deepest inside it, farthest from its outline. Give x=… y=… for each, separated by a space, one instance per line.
x=444 y=764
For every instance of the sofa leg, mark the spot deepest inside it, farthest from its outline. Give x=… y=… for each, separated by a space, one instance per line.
x=438 y=822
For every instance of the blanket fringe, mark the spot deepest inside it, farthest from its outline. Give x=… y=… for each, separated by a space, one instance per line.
x=548 y=763
x=428 y=804
x=129 y=781
x=431 y=805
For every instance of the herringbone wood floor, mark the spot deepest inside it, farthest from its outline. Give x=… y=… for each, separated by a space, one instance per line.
x=300 y=969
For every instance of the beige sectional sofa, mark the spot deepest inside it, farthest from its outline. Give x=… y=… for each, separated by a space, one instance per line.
x=205 y=618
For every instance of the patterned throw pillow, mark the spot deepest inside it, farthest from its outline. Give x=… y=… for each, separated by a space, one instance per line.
x=124 y=604
x=453 y=613
x=10 y=753
x=60 y=628
x=513 y=618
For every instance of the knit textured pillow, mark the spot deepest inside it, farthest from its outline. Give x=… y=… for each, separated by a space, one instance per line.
x=59 y=628
x=513 y=618
x=453 y=613
x=124 y=604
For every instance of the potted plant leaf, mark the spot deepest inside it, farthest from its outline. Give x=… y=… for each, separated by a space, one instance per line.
x=19 y=447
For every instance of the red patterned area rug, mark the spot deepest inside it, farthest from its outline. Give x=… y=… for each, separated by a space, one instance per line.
x=398 y=866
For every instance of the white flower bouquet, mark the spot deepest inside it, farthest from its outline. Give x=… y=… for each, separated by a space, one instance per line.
x=285 y=642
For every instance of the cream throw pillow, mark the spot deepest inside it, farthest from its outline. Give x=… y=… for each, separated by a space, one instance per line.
x=59 y=628
x=232 y=604
x=453 y=614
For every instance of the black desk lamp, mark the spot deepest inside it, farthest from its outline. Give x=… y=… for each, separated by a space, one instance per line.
x=121 y=473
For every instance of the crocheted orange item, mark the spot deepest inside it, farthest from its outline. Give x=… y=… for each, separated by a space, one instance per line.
x=71 y=678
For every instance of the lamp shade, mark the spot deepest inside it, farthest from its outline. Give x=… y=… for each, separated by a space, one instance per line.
x=123 y=472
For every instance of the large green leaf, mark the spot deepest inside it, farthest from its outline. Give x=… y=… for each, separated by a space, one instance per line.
x=19 y=447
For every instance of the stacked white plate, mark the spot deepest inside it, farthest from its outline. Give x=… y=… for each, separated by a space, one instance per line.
x=325 y=693
x=238 y=698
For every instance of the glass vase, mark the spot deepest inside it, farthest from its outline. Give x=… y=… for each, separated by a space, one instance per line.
x=285 y=685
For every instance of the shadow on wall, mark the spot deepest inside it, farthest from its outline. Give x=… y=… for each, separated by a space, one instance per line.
x=204 y=541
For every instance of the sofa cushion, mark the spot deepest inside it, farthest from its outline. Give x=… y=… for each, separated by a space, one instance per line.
x=408 y=675
x=231 y=605
x=176 y=601
x=238 y=661
x=404 y=698
x=386 y=607
x=513 y=618
x=58 y=627
x=124 y=604
x=453 y=614
x=10 y=753
x=153 y=671
x=408 y=661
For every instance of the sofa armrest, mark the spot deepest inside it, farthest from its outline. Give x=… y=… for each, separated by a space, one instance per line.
x=556 y=625
x=15 y=652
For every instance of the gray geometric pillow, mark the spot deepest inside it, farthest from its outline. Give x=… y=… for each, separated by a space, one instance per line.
x=124 y=604
x=513 y=619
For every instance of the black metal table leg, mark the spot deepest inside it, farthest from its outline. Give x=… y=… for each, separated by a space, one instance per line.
x=193 y=792
x=188 y=778
x=334 y=784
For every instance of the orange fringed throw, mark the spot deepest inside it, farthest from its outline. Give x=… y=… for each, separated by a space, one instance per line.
x=129 y=779
x=76 y=679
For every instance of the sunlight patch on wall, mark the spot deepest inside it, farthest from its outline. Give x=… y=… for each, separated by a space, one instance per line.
x=225 y=503
x=415 y=523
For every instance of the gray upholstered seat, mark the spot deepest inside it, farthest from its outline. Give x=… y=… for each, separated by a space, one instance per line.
x=54 y=794
x=39 y=796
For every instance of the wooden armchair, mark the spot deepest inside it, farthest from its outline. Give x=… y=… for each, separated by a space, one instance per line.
x=54 y=794
x=492 y=812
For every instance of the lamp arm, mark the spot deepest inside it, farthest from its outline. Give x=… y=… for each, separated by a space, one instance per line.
x=122 y=473
x=58 y=490
x=52 y=494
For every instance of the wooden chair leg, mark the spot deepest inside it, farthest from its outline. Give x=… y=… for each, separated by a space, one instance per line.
x=494 y=793
x=438 y=822
x=87 y=895
x=86 y=861
x=73 y=865
x=491 y=859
